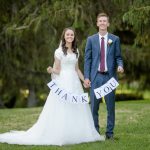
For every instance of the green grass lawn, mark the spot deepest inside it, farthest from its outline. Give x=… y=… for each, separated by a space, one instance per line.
x=132 y=130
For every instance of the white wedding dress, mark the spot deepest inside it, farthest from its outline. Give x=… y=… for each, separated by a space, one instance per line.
x=60 y=123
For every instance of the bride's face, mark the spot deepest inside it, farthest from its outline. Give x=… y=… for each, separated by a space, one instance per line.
x=69 y=36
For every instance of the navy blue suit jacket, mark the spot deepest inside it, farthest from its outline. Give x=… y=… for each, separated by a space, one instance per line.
x=92 y=56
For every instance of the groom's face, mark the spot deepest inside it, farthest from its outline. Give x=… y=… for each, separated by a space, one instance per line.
x=102 y=23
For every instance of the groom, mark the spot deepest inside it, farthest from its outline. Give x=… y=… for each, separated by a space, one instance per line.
x=102 y=59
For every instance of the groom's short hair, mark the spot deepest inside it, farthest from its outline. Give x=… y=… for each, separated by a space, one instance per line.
x=103 y=15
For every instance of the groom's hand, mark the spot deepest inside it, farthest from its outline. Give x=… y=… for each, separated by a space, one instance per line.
x=87 y=83
x=120 y=69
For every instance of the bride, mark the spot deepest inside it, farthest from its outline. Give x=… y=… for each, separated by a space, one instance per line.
x=61 y=123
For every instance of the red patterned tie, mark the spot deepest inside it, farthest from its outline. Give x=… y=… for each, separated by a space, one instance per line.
x=102 y=56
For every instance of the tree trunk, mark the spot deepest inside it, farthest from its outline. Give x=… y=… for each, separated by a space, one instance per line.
x=32 y=101
x=1 y=103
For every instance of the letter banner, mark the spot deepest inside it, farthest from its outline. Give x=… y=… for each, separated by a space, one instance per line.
x=105 y=89
x=66 y=96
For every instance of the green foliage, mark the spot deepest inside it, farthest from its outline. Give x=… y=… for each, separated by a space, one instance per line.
x=138 y=17
x=30 y=32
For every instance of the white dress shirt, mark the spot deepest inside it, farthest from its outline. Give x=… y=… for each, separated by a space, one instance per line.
x=105 y=41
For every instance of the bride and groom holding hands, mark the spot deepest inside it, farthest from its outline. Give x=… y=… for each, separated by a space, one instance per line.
x=63 y=123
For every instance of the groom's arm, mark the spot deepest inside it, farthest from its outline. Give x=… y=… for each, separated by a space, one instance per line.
x=87 y=59
x=118 y=56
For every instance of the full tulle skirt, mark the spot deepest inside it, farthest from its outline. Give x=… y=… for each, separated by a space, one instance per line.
x=60 y=122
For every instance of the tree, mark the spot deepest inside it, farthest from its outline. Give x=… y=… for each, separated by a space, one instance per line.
x=31 y=30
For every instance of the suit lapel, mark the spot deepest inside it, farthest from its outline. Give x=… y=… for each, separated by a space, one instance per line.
x=108 y=46
x=97 y=42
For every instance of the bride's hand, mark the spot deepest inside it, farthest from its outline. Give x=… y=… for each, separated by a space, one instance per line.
x=87 y=83
x=50 y=70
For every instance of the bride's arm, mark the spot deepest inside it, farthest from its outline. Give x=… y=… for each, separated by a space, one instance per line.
x=80 y=74
x=56 y=68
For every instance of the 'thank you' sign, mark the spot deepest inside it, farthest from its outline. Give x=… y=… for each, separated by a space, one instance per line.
x=65 y=96
x=105 y=89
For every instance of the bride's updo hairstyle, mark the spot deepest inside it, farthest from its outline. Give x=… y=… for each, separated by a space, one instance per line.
x=74 y=43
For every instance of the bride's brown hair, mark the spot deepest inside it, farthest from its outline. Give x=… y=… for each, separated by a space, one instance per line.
x=74 y=43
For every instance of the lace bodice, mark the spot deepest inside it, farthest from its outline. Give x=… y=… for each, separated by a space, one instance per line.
x=68 y=61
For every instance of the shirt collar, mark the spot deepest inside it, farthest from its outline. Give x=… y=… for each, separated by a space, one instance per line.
x=105 y=36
